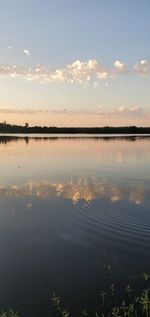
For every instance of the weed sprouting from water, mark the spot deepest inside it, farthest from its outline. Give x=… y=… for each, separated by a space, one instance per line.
x=102 y=294
x=129 y=302
x=9 y=313
x=146 y=276
x=112 y=288
x=84 y=312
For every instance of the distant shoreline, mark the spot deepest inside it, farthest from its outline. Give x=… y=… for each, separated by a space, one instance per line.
x=14 y=129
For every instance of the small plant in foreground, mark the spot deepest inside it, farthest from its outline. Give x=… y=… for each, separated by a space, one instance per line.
x=128 y=302
x=146 y=276
x=9 y=313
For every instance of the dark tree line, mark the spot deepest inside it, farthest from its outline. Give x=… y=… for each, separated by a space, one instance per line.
x=9 y=128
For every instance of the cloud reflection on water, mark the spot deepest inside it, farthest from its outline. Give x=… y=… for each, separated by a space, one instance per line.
x=77 y=189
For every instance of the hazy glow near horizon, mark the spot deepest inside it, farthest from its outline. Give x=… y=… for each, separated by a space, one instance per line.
x=75 y=63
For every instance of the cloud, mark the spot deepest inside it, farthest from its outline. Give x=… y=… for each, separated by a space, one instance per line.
x=100 y=110
x=103 y=75
x=26 y=52
x=125 y=111
x=131 y=111
x=12 y=110
x=142 y=67
x=81 y=72
x=120 y=67
x=77 y=72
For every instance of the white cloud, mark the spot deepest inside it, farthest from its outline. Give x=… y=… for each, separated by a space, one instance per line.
x=95 y=85
x=142 y=67
x=128 y=111
x=102 y=75
x=83 y=73
x=120 y=67
x=77 y=72
x=26 y=52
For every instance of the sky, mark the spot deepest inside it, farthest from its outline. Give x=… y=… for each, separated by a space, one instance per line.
x=75 y=62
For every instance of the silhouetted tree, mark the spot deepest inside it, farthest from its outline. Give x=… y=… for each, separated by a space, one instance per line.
x=26 y=125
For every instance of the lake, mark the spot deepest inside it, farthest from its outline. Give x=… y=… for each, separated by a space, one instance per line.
x=72 y=209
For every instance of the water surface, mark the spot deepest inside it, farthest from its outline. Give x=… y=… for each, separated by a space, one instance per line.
x=69 y=208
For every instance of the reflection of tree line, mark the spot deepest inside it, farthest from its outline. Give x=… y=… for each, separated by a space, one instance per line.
x=9 y=128
x=4 y=139
x=76 y=190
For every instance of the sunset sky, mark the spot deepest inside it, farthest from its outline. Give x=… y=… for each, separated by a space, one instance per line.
x=75 y=62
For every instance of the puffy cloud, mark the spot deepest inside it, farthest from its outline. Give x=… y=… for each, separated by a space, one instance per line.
x=82 y=71
x=142 y=67
x=134 y=111
x=120 y=67
x=26 y=52
x=103 y=75
x=79 y=72
x=125 y=111
x=59 y=75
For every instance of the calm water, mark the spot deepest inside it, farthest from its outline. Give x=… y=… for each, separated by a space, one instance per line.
x=69 y=207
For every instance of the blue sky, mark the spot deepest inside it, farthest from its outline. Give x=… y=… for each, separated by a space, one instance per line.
x=42 y=40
